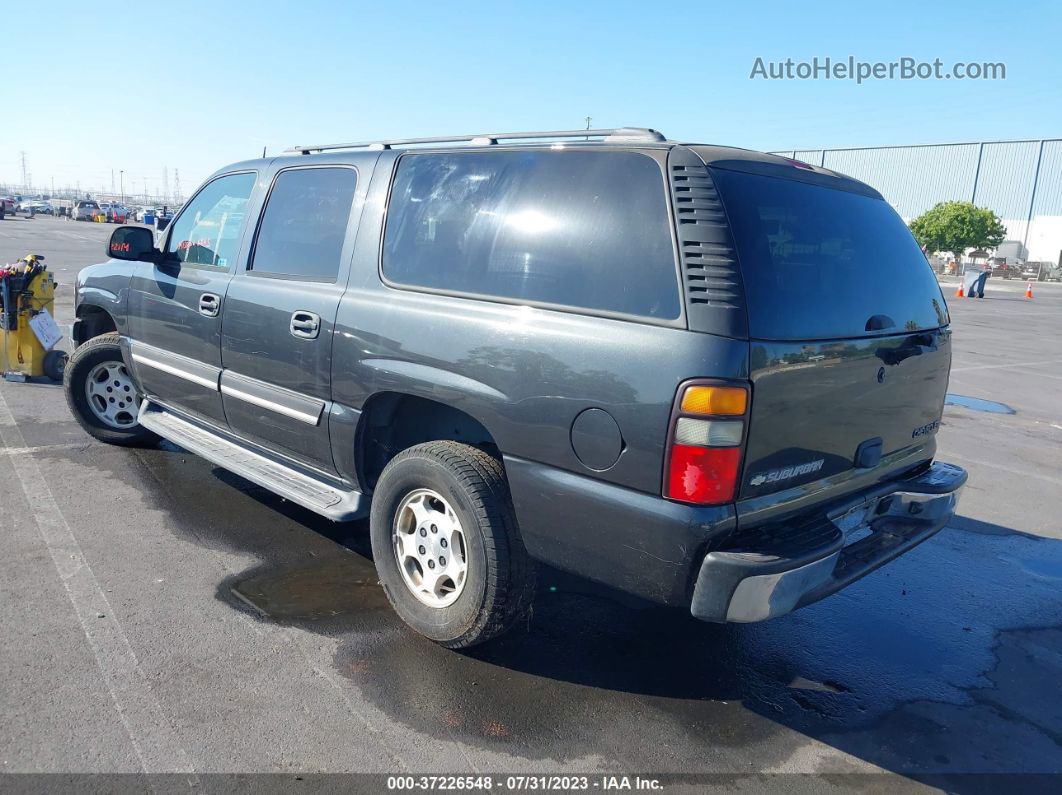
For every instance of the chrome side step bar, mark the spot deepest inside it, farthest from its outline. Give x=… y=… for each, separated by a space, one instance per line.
x=300 y=488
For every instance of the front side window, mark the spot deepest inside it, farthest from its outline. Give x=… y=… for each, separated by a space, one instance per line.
x=581 y=229
x=305 y=223
x=208 y=230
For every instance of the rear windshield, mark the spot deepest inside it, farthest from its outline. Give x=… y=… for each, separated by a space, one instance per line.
x=821 y=263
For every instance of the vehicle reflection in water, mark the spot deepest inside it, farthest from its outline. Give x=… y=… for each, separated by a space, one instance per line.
x=934 y=664
x=879 y=671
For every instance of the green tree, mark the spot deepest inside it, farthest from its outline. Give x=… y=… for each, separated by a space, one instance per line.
x=957 y=226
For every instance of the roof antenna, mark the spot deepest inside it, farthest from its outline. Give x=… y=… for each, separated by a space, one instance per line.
x=588 y=127
x=263 y=152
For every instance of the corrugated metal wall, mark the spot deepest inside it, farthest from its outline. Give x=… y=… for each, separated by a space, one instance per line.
x=1012 y=178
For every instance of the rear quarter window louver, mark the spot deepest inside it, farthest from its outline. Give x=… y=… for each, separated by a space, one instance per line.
x=715 y=297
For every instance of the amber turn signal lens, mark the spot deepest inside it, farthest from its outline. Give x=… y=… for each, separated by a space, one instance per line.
x=726 y=400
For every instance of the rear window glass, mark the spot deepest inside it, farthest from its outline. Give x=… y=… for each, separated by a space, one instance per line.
x=579 y=229
x=819 y=263
x=305 y=222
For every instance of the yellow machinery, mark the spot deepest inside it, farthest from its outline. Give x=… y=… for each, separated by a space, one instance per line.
x=29 y=333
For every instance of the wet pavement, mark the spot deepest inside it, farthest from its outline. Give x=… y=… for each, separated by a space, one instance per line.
x=260 y=640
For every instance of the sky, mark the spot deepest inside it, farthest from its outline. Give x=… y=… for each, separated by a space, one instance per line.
x=191 y=86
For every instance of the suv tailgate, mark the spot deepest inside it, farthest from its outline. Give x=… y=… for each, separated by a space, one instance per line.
x=849 y=346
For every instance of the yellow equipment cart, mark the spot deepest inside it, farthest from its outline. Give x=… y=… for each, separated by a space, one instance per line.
x=29 y=332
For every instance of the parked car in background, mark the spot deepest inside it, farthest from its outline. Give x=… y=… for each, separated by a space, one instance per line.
x=1036 y=271
x=1002 y=268
x=604 y=355
x=116 y=213
x=37 y=207
x=8 y=205
x=85 y=210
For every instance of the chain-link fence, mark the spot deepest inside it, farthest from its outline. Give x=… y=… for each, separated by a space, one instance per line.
x=1021 y=181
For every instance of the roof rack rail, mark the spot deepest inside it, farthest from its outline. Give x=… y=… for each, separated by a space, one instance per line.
x=612 y=135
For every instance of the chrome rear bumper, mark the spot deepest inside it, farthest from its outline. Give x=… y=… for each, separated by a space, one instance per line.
x=774 y=570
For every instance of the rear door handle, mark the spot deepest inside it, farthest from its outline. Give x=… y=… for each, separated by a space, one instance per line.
x=209 y=304
x=305 y=325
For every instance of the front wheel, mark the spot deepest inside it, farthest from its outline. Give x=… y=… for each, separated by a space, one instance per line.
x=101 y=393
x=447 y=546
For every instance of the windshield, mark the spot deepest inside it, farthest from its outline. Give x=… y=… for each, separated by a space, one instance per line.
x=822 y=263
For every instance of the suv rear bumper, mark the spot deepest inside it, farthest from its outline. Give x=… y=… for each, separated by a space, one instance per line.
x=775 y=569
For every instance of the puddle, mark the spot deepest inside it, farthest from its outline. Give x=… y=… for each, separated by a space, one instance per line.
x=898 y=654
x=321 y=588
x=977 y=404
x=903 y=669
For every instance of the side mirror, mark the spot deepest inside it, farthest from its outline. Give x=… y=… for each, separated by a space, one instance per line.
x=133 y=243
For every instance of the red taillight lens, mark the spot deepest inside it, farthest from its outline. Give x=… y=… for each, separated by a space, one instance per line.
x=704 y=475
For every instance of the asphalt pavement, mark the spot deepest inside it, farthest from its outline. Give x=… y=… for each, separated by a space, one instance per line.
x=160 y=615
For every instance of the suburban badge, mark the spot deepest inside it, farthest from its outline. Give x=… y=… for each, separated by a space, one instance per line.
x=775 y=475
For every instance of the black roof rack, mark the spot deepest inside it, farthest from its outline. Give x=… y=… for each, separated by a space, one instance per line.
x=612 y=135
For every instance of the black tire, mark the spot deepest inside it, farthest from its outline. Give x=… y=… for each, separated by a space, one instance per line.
x=499 y=582
x=96 y=351
x=55 y=364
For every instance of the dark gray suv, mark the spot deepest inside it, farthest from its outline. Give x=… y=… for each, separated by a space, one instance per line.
x=705 y=376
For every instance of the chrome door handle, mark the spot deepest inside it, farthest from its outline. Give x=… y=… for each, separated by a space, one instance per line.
x=209 y=304
x=305 y=325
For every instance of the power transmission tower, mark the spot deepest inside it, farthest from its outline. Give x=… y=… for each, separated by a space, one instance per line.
x=165 y=184
x=176 y=185
x=25 y=177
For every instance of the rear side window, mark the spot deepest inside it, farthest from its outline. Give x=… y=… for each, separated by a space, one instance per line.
x=819 y=263
x=207 y=232
x=305 y=222
x=579 y=229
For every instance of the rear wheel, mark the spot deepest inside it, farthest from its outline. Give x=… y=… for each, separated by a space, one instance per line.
x=446 y=544
x=101 y=394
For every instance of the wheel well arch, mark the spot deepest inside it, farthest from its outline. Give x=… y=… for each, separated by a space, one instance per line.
x=92 y=322
x=395 y=421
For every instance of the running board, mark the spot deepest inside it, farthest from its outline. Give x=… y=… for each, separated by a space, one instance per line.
x=302 y=489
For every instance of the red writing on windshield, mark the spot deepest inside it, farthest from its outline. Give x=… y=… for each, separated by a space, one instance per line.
x=186 y=244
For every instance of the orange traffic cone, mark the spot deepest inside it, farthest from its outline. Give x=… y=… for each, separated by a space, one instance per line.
x=1028 y=291
x=959 y=293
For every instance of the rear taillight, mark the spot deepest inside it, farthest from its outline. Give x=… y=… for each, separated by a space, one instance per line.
x=704 y=443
